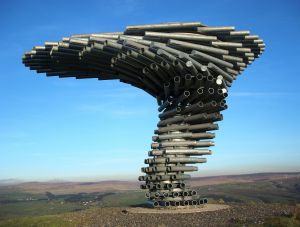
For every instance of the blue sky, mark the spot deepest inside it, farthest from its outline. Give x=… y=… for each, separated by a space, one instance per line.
x=53 y=128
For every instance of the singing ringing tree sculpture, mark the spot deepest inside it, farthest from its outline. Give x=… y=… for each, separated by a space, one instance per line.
x=187 y=67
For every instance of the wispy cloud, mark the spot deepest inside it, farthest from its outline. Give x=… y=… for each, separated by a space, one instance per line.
x=16 y=135
x=247 y=94
x=66 y=82
x=131 y=112
x=116 y=101
x=108 y=161
x=92 y=107
x=111 y=108
x=128 y=7
x=261 y=94
x=107 y=90
x=120 y=93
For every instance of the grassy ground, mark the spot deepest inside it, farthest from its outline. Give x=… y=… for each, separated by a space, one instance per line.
x=34 y=208
x=289 y=220
x=236 y=216
x=18 y=208
x=130 y=198
x=279 y=191
x=15 y=203
x=38 y=221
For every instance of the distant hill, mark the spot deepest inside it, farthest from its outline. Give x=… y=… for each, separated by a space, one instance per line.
x=11 y=181
x=77 y=187
x=109 y=186
x=254 y=177
x=250 y=196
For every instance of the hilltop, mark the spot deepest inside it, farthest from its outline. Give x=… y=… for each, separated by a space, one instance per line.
x=253 y=199
x=64 y=187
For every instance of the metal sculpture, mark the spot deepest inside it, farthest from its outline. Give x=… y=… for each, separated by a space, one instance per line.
x=187 y=67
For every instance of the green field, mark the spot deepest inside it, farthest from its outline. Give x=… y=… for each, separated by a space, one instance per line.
x=18 y=208
x=32 y=221
x=15 y=203
x=286 y=191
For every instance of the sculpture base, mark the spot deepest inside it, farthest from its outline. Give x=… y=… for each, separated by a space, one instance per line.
x=179 y=209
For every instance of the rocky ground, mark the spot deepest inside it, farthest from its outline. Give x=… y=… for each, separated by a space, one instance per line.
x=236 y=215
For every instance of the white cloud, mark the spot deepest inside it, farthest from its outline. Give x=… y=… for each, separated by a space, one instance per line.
x=246 y=94
x=260 y=94
x=114 y=110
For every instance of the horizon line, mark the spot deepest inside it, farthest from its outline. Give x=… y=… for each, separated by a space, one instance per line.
x=19 y=181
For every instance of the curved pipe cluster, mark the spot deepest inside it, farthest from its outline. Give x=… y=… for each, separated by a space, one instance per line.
x=187 y=67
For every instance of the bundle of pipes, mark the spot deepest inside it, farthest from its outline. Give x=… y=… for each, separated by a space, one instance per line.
x=187 y=67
